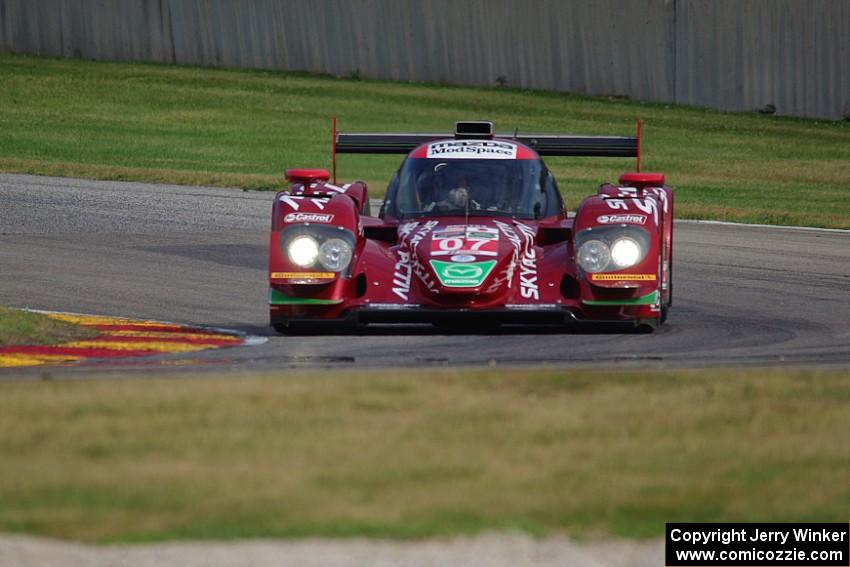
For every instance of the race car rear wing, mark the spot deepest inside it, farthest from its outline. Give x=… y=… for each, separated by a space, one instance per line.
x=543 y=144
x=383 y=143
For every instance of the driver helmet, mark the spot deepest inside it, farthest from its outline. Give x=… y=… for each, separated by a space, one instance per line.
x=458 y=197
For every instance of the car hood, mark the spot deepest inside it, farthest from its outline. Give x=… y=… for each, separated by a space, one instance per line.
x=453 y=259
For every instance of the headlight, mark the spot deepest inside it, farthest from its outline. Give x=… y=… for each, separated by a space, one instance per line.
x=625 y=252
x=303 y=251
x=335 y=254
x=593 y=256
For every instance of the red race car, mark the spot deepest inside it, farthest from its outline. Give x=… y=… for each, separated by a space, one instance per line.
x=472 y=231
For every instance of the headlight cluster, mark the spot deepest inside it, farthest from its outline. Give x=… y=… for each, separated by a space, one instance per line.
x=303 y=251
x=603 y=250
x=594 y=256
x=325 y=247
x=335 y=254
x=625 y=252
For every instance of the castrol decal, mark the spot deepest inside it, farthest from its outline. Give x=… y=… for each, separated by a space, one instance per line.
x=618 y=219
x=308 y=217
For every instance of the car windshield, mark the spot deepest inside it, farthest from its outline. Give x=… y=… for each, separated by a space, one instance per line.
x=441 y=187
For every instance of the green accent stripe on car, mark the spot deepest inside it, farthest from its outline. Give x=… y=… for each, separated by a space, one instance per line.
x=277 y=298
x=648 y=299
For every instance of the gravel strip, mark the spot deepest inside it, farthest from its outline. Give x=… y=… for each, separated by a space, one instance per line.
x=491 y=550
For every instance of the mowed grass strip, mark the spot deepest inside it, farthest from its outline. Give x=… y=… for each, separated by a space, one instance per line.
x=242 y=128
x=26 y=328
x=429 y=452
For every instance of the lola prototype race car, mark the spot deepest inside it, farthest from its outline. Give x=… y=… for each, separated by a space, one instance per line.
x=473 y=230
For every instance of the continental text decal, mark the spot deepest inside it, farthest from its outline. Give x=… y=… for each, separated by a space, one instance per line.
x=302 y=275
x=623 y=277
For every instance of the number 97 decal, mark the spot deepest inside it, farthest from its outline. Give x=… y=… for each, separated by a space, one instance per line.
x=451 y=245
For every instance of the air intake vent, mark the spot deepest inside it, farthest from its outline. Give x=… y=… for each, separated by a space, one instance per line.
x=474 y=129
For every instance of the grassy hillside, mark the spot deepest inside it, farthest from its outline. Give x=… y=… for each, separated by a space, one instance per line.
x=241 y=128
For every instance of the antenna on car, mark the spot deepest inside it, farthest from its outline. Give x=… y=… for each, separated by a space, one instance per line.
x=638 y=145
x=333 y=147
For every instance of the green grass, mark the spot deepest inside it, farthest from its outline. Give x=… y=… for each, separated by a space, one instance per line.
x=242 y=128
x=430 y=452
x=26 y=328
